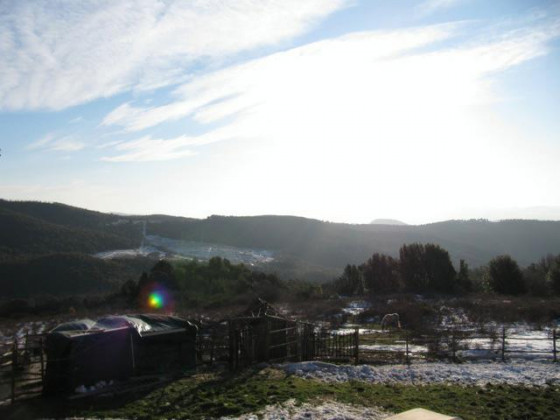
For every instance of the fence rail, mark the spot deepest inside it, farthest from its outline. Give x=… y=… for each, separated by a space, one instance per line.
x=399 y=346
x=23 y=360
x=22 y=367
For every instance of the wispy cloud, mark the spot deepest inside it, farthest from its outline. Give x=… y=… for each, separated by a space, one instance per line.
x=67 y=144
x=58 y=54
x=219 y=94
x=76 y=120
x=364 y=87
x=147 y=149
x=55 y=143
x=42 y=142
x=432 y=6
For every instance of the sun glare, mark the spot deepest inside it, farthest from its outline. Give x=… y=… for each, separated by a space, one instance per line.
x=156 y=301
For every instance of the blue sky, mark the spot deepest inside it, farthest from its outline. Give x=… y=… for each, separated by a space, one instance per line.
x=341 y=110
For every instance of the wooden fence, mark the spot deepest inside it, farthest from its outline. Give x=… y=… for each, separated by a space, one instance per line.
x=399 y=346
x=272 y=340
x=23 y=361
x=454 y=344
x=22 y=367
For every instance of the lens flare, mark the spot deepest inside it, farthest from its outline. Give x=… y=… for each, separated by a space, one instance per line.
x=155 y=300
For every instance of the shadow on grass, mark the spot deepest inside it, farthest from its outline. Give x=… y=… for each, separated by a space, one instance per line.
x=212 y=394
x=63 y=406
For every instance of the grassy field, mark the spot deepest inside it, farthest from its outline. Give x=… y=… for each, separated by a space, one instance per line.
x=212 y=394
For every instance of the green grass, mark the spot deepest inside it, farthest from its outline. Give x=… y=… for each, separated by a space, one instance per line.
x=213 y=395
x=206 y=396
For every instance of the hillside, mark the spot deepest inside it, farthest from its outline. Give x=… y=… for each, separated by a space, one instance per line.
x=66 y=274
x=23 y=234
x=336 y=244
x=302 y=248
x=37 y=228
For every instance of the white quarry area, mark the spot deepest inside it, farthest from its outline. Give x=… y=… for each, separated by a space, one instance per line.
x=159 y=246
x=518 y=372
x=143 y=251
x=327 y=410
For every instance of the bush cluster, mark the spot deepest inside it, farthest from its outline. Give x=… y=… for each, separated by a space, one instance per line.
x=427 y=268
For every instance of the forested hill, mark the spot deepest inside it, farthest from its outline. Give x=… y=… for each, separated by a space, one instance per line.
x=66 y=274
x=336 y=244
x=39 y=228
x=23 y=234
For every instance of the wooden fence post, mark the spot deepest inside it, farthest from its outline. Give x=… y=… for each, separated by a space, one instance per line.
x=453 y=346
x=357 y=345
x=554 y=344
x=25 y=358
x=231 y=343
x=406 y=342
x=253 y=345
x=336 y=343
x=267 y=340
x=212 y=337
x=14 y=365
x=132 y=354
x=237 y=347
x=503 y=344
x=286 y=335
x=313 y=345
x=299 y=338
x=42 y=360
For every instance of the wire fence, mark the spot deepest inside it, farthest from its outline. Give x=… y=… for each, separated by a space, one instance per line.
x=23 y=361
x=400 y=346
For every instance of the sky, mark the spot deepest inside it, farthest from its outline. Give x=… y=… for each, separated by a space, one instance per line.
x=338 y=110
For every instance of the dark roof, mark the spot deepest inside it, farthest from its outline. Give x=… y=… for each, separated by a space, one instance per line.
x=260 y=308
x=77 y=325
x=144 y=324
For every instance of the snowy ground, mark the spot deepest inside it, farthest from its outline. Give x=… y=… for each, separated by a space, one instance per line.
x=356 y=307
x=413 y=349
x=523 y=341
x=21 y=329
x=518 y=372
x=327 y=410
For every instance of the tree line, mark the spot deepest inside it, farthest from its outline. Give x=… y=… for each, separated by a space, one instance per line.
x=427 y=268
x=216 y=281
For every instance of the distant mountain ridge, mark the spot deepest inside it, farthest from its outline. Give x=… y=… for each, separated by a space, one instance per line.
x=39 y=228
x=336 y=244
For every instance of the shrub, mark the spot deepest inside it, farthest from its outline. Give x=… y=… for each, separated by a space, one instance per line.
x=505 y=276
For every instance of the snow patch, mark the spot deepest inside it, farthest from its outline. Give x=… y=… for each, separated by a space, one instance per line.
x=82 y=389
x=356 y=307
x=516 y=373
x=397 y=347
x=328 y=410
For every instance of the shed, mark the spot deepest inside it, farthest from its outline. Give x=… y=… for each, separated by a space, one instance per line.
x=261 y=333
x=116 y=348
